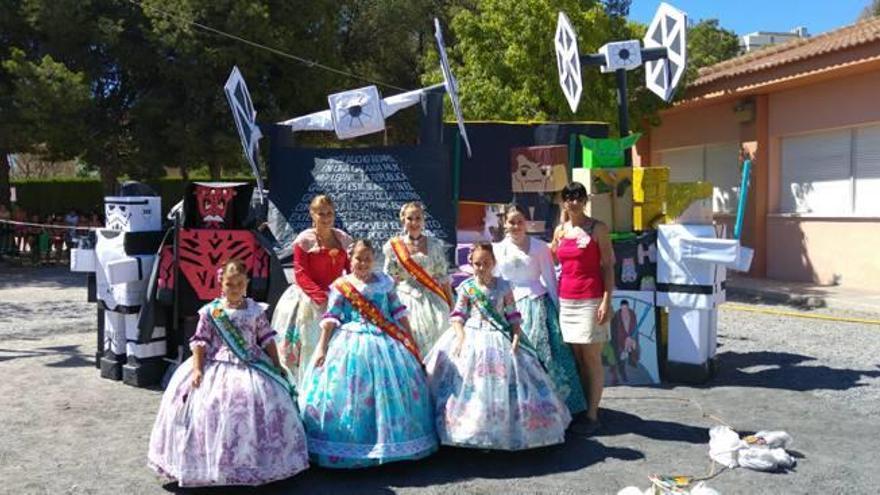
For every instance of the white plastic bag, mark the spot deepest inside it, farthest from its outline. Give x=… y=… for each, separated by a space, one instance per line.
x=765 y=459
x=772 y=439
x=723 y=446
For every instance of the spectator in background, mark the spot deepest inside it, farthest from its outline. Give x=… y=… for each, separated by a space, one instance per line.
x=5 y=230
x=71 y=219
x=87 y=238
x=58 y=237
x=20 y=232
x=37 y=239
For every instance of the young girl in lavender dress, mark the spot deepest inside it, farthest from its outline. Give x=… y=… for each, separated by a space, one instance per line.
x=228 y=416
x=490 y=390
x=365 y=398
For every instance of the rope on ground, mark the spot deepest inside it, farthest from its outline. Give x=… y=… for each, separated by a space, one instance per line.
x=795 y=314
x=681 y=483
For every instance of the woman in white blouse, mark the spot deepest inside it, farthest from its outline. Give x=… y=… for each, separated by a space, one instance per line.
x=527 y=264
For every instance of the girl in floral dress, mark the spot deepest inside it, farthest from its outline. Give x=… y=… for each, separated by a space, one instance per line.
x=319 y=257
x=490 y=390
x=527 y=264
x=418 y=264
x=228 y=416
x=365 y=398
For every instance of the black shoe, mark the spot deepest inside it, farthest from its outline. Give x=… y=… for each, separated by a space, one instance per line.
x=586 y=428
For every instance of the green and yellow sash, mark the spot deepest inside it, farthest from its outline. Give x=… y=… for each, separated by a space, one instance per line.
x=236 y=342
x=497 y=320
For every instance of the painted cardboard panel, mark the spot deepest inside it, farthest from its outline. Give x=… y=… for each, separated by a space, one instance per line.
x=610 y=195
x=630 y=355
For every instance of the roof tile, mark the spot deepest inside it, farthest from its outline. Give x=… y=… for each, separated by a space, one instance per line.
x=866 y=31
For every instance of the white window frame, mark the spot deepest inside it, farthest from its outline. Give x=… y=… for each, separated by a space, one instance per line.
x=718 y=190
x=852 y=210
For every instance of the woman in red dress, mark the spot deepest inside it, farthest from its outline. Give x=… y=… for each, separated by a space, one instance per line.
x=320 y=256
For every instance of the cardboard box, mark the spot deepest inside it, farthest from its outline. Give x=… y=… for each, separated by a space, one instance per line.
x=611 y=195
x=635 y=262
x=606 y=153
x=689 y=203
x=649 y=196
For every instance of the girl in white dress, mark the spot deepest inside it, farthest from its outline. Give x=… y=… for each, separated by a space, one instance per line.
x=417 y=262
x=527 y=264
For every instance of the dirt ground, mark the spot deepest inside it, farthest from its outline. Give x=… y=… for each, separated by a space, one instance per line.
x=67 y=431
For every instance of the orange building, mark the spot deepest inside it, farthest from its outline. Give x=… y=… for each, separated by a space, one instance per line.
x=810 y=110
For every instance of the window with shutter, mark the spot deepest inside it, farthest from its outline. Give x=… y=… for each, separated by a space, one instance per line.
x=816 y=174
x=685 y=164
x=723 y=171
x=867 y=171
x=716 y=163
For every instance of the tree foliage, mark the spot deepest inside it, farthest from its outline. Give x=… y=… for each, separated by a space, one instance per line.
x=709 y=44
x=504 y=60
x=870 y=10
x=129 y=87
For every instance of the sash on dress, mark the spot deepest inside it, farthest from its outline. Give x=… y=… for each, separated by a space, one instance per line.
x=416 y=270
x=374 y=315
x=487 y=309
x=238 y=345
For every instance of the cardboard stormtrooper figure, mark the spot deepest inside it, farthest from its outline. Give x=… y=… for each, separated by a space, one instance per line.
x=212 y=226
x=122 y=260
x=691 y=272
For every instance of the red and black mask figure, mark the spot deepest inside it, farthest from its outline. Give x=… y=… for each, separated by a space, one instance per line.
x=213 y=205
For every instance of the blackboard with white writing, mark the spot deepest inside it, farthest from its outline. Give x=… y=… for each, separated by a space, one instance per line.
x=368 y=186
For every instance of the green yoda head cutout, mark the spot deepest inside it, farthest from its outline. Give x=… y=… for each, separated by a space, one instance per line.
x=606 y=153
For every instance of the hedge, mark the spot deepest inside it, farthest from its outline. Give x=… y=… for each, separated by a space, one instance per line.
x=59 y=195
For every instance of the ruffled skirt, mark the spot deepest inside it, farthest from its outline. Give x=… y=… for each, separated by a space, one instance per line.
x=237 y=428
x=541 y=325
x=295 y=320
x=368 y=404
x=428 y=314
x=489 y=398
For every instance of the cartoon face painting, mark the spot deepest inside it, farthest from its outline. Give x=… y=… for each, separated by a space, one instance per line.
x=213 y=204
x=539 y=169
x=132 y=213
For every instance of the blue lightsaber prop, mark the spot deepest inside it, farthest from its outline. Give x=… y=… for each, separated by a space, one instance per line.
x=743 y=194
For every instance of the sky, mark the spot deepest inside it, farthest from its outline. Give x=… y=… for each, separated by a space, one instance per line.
x=748 y=16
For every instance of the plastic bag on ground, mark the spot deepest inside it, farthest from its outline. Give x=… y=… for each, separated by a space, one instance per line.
x=723 y=446
x=765 y=459
x=772 y=439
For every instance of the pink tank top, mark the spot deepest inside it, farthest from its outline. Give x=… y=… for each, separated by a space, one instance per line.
x=581 y=276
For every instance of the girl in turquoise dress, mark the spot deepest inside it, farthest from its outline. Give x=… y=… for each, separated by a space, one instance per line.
x=365 y=398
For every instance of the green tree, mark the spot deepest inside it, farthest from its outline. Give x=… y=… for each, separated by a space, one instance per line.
x=503 y=57
x=40 y=98
x=378 y=41
x=102 y=42
x=708 y=44
x=619 y=8
x=870 y=10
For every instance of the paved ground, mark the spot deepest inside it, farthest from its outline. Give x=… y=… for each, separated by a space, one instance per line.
x=66 y=431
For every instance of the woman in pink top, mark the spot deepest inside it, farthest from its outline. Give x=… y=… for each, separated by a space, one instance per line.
x=583 y=247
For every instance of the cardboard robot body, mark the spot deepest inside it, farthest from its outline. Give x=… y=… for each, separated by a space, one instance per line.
x=691 y=273
x=122 y=261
